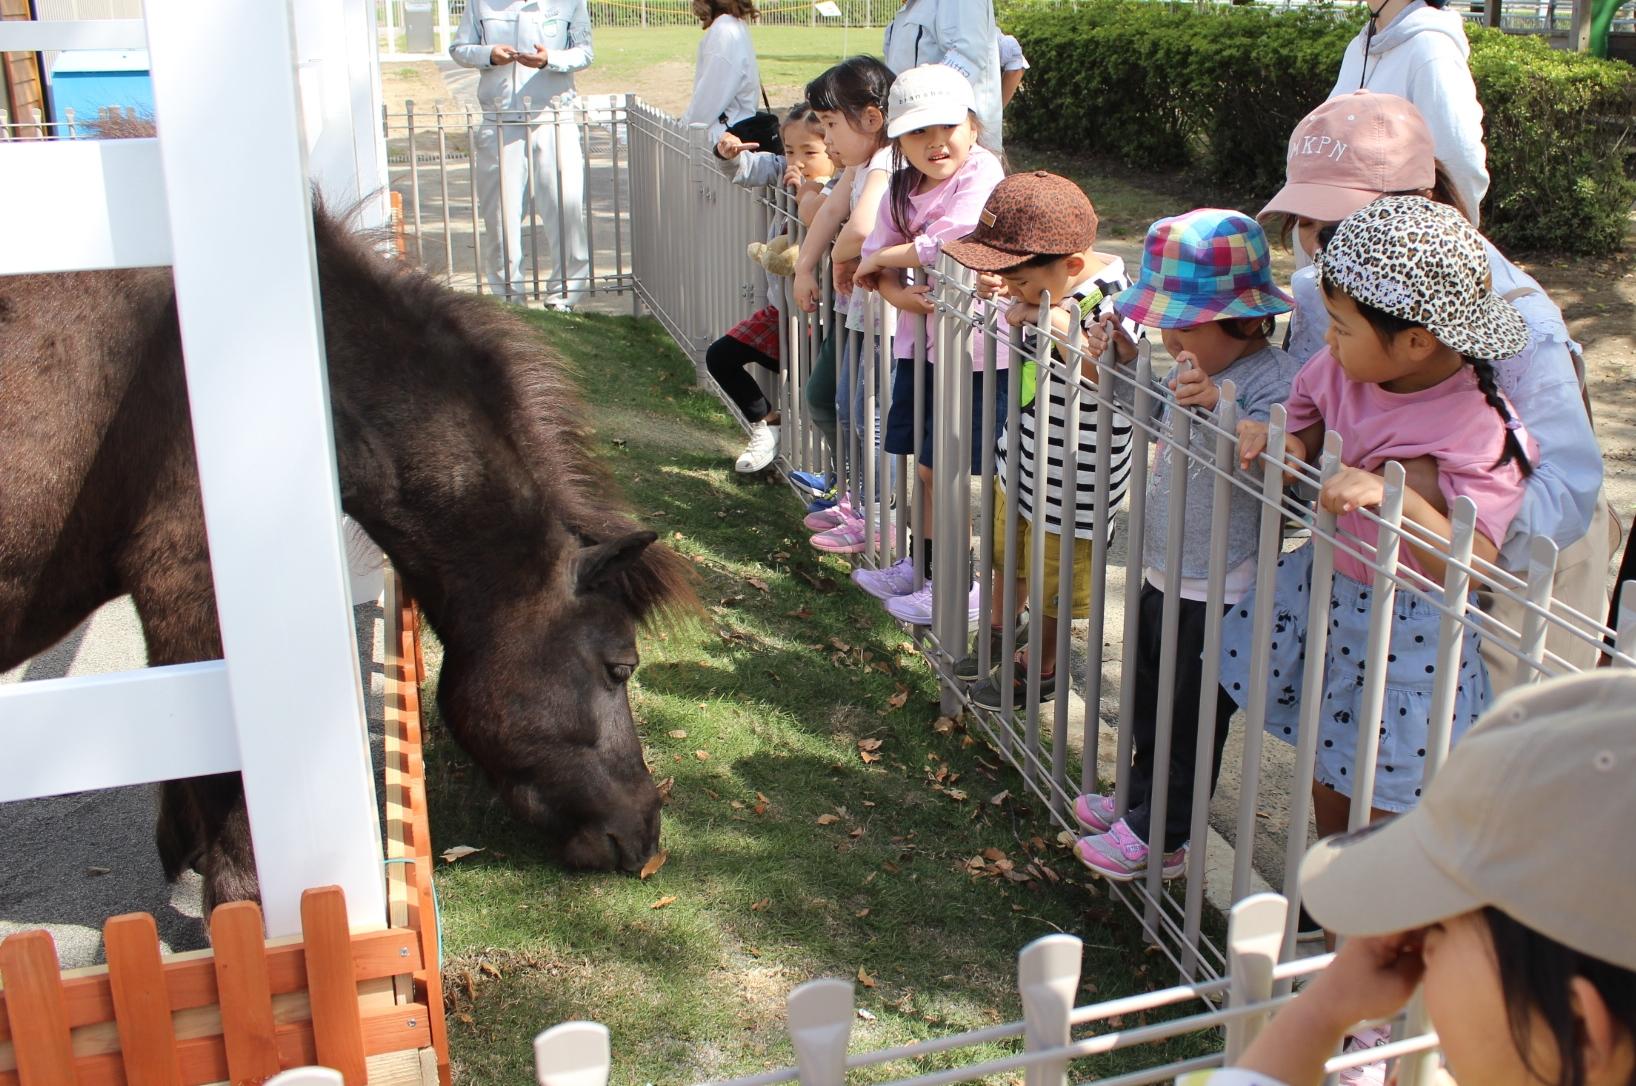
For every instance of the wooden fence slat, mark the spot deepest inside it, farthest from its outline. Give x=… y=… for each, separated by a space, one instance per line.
x=36 y=1009
x=190 y=978
x=244 y=991
x=331 y=985
x=147 y=1037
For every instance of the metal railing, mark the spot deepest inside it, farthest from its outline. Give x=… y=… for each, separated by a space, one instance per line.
x=1228 y=1013
x=701 y=223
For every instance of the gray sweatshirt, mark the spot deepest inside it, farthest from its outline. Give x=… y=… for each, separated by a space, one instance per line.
x=1261 y=379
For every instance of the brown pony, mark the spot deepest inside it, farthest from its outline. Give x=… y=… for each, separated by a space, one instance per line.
x=461 y=450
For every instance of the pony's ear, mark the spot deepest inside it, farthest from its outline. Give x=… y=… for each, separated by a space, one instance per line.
x=599 y=563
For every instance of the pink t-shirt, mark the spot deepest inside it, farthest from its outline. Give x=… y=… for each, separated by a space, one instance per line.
x=1451 y=422
x=945 y=211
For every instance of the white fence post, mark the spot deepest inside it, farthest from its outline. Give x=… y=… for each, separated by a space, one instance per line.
x=821 y=1028
x=1047 y=978
x=572 y=1054
x=1255 y=931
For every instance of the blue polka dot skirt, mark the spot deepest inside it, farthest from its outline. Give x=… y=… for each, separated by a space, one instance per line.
x=1410 y=672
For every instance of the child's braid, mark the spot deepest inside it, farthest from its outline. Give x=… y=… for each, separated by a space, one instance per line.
x=1488 y=384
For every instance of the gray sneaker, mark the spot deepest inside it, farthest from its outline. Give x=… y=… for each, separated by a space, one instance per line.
x=966 y=668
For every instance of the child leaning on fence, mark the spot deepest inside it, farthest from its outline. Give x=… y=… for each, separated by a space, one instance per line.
x=936 y=196
x=1037 y=236
x=754 y=340
x=1206 y=284
x=1407 y=375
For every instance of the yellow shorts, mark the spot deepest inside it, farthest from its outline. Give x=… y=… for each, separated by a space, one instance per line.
x=1053 y=560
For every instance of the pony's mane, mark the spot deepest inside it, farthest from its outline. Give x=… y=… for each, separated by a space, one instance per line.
x=548 y=415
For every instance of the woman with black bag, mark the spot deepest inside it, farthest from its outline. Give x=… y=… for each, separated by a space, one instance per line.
x=727 y=81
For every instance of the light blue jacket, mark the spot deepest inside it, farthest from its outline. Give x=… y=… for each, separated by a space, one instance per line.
x=562 y=26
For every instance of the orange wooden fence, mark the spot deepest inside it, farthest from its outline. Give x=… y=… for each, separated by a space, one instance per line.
x=367 y=1003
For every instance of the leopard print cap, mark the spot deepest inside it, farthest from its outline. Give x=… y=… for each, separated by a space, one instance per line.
x=1423 y=262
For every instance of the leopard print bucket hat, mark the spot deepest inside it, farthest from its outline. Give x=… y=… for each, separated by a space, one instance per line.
x=1423 y=262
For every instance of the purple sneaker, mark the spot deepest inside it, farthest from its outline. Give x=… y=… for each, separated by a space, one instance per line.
x=916 y=607
x=897 y=579
x=1122 y=856
x=1096 y=813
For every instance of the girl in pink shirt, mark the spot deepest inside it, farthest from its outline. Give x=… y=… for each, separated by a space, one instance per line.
x=936 y=195
x=1407 y=375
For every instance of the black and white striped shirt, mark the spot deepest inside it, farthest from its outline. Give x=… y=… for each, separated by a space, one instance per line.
x=1092 y=298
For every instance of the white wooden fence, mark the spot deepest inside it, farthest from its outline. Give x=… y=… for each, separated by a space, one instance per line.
x=306 y=110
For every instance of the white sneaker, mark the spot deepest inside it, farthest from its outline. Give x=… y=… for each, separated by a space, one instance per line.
x=761 y=451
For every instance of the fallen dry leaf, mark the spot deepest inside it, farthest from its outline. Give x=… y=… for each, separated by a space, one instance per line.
x=864 y=978
x=943 y=725
x=458 y=852
x=865 y=1015
x=869 y=744
x=761 y=905
x=897 y=700
x=799 y=612
x=678 y=733
x=655 y=862
x=668 y=899
x=868 y=756
x=1000 y=798
x=736 y=805
x=956 y=794
x=861 y=913
x=491 y=969
x=827 y=820
x=664 y=787
x=702 y=755
x=858 y=832
x=993 y=854
x=756 y=583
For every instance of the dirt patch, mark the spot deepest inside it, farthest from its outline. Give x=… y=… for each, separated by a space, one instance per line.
x=418 y=80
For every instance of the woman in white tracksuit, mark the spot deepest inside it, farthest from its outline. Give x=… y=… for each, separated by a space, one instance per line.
x=1417 y=50
x=960 y=34
x=528 y=52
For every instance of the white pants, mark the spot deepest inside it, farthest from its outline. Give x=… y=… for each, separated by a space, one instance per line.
x=523 y=155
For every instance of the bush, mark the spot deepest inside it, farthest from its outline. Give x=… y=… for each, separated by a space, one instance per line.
x=1216 y=91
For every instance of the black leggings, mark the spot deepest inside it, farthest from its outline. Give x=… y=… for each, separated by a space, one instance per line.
x=726 y=360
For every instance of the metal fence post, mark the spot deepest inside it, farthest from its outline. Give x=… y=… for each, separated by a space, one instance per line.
x=820 y=1016
x=1047 y=978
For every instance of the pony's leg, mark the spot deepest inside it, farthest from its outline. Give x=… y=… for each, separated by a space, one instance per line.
x=202 y=822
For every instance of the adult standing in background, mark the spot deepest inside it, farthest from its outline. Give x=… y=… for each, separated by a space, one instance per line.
x=1012 y=66
x=1417 y=50
x=726 y=77
x=528 y=146
x=960 y=34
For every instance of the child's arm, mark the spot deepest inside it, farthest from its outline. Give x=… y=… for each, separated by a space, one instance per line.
x=824 y=226
x=906 y=299
x=808 y=204
x=849 y=244
x=1354 y=488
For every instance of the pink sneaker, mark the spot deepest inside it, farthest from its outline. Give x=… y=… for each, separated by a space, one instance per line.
x=846 y=537
x=1122 y=856
x=897 y=579
x=825 y=519
x=1096 y=813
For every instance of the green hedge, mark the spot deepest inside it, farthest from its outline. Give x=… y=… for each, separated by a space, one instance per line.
x=1215 y=91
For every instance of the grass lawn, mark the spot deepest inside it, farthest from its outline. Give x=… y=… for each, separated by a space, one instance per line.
x=821 y=821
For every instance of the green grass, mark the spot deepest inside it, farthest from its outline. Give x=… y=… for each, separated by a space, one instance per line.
x=790 y=857
x=787 y=55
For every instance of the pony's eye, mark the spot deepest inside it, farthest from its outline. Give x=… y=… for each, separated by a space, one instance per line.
x=619 y=673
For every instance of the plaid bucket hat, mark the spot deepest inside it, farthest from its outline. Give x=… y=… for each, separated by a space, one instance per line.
x=1206 y=265
x=1422 y=261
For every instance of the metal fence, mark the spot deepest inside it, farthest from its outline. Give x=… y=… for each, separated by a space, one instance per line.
x=1225 y=1013
x=431 y=164
x=697 y=281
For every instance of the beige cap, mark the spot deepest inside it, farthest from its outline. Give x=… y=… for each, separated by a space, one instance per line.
x=1534 y=813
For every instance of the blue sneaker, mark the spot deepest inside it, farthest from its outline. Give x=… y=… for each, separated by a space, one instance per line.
x=813 y=482
x=829 y=500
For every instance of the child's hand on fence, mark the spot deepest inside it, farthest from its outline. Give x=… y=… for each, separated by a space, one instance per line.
x=1019 y=312
x=918 y=299
x=1106 y=331
x=1371 y=977
x=792 y=176
x=1193 y=387
x=730 y=146
x=989 y=285
x=806 y=290
x=502 y=55
x=866 y=272
x=1352 y=488
x=844 y=273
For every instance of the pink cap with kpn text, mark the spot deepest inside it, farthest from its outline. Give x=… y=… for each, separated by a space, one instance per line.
x=1352 y=150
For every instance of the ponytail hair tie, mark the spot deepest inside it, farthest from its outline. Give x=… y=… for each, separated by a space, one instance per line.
x=1513 y=424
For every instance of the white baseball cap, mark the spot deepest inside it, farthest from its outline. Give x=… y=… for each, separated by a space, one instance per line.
x=1533 y=814
x=927 y=95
